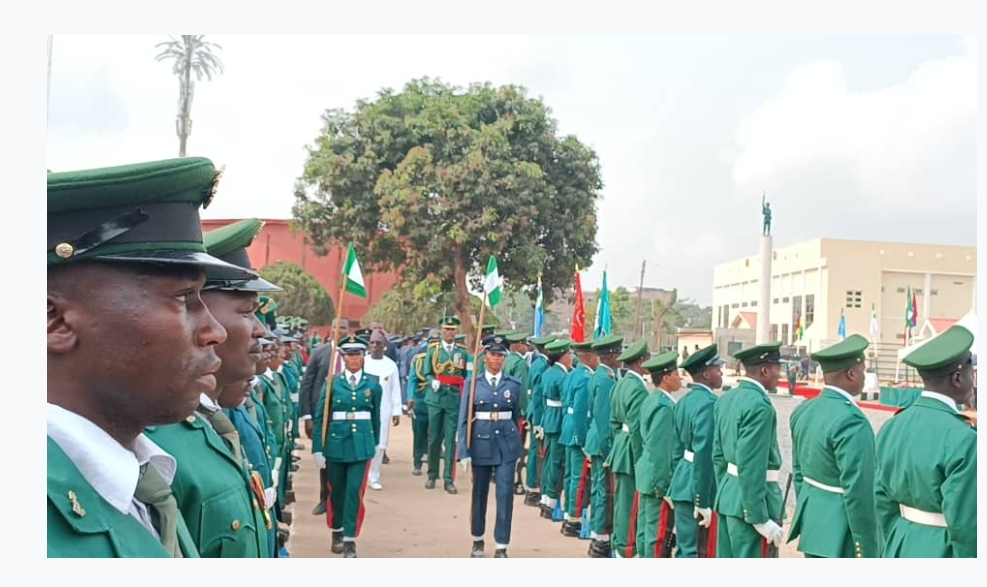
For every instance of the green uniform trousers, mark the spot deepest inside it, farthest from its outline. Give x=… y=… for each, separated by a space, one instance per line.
x=624 y=517
x=600 y=500
x=346 y=486
x=419 y=431
x=442 y=424
x=533 y=466
x=735 y=538
x=574 y=460
x=686 y=530
x=649 y=509
x=552 y=474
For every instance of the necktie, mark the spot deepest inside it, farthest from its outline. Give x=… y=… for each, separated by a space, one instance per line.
x=156 y=493
x=225 y=428
x=493 y=382
x=352 y=380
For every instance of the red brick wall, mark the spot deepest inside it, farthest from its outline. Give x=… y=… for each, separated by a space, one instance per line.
x=276 y=243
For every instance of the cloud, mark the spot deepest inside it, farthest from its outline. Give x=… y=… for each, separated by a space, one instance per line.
x=819 y=140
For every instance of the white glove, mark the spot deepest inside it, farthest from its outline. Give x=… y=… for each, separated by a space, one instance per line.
x=436 y=385
x=705 y=516
x=772 y=532
x=465 y=463
x=294 y=397
x=539 y=432
x=270 y=497
x=320 y=460
x=668 y=500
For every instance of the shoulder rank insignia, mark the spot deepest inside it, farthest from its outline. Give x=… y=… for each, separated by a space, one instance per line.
x=77 y=508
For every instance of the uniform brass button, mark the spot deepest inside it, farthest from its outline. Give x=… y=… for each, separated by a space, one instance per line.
x=235 y=525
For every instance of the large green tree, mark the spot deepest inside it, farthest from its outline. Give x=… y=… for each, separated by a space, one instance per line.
x=432 y=180
x=621 y=312
x=408 y=307
x=303 y=295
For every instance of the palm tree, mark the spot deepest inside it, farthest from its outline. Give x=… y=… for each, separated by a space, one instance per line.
x=665 y=316
x=192 y=54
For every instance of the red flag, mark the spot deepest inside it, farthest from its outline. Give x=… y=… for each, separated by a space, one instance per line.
x=578 y=331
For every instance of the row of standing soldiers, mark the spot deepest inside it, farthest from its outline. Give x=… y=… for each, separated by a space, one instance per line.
x=698 y=476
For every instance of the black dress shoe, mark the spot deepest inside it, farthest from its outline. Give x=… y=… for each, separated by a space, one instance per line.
x=430 y=484
x=599 y=549
x=349 y=550
x=337 y=543
x=545 y=511
x=320 y=509
x=386 y=460
x=519 y=489
x=571 y=529
x=532 y=498
x=287 y=517
x=500 y=553
x=477 y=551
x=417 y=472
x=294 y=468
x=298 y=447
x=289 y=497
x=451 y=488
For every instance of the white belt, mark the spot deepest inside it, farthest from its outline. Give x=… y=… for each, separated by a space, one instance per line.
x=822 y=486
x=625 y=427
x=351 y=415
x=553 y=403
x=772 y=476
x=924 y=518
x=570 y=411
x=689 y=455
x=493 y=416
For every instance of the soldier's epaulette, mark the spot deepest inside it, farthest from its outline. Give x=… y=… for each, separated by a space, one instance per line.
x=460 y=345
x=434 y=343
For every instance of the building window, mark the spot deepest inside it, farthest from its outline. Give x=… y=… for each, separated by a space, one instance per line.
x=754 y=304
x=810 y=309
x=853 y=299
x=775 y=300
x=796 y=309
x=734 y=305
x=744 y=305
x=784 y=300
x=774 y=332
x=784 y=334
x=733 y=347
x=957 y=283
x=900 y=290
x=934 y=292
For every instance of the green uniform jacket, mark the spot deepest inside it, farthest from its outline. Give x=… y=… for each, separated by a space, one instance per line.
x=349 y=441
x=625 y=423
x=94 y=528
x=551 y=388
x=440 y=363
x=257 y=411
x=516 y=366
x=575 y=402
x=654 y=468
x=746 y=435
x=694 y=481
x=536 y=402
x=417 y=385
x=213 y=491
x=272 y=397
x=833 y=444
x=927 y=459
x=599 y=437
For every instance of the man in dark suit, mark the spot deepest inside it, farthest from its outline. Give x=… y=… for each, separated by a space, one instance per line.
x=308 y=395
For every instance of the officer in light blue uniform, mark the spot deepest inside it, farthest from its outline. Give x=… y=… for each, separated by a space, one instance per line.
x=495 y=444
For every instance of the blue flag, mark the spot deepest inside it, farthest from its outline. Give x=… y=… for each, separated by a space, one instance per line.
x=841 y=329
x=603 y=324
x=539 y=311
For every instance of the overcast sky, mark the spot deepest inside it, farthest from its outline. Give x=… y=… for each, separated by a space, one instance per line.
x=850 y=137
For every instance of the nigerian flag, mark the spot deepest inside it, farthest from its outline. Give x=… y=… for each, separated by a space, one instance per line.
x=491 y=284
x=353 y=275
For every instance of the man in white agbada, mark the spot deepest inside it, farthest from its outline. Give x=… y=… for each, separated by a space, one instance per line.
x=386 y=371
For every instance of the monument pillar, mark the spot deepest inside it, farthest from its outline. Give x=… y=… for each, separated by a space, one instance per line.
x=763 y=324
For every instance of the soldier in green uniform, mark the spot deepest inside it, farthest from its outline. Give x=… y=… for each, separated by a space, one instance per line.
x=746 y=458
x=417 y=390
x=833 y=461
x=693 y=484
x=445 y=371
x=575 y=424
x=350 y=442
x=533 y=415
x=926 y=484
x=656 y=464
x=517 y=366
x=599 y=439
x=625 y=414
x=550 y=428
x=130 y=345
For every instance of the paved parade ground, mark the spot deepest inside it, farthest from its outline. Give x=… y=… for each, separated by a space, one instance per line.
x=405 y=520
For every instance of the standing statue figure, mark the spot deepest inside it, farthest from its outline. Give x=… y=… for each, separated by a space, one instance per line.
x=766 y=214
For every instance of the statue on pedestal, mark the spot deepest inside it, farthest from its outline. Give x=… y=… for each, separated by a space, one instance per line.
x=766 y=214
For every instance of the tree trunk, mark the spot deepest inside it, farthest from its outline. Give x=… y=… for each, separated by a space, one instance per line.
x=186 y=103
x=463 y=307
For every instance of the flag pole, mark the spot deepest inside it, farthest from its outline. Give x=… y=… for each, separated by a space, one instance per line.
x=332 y=360
x=476 y=352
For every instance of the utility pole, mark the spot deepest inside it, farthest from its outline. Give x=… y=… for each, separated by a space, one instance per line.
x=640 y=300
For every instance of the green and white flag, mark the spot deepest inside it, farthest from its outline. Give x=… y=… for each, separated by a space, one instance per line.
x=353 y=275
x=492 y=283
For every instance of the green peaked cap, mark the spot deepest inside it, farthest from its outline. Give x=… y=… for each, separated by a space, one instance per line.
x=759 y=354
x=661 y=363
x=704 y=357
x=139 y=213
x=842 y=355
x=634 y=352
x=944 y=354
x=229 y=243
